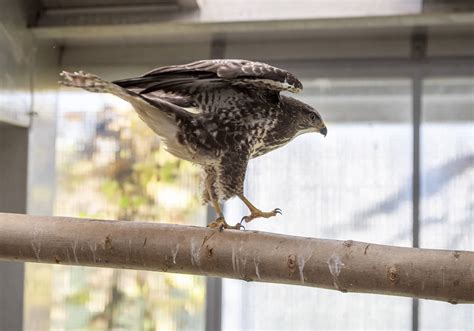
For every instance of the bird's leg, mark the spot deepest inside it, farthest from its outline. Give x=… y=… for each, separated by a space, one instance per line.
x=220 y=222
x=255 y=212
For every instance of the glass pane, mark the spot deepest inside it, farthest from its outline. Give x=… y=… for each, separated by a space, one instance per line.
x=447 y=205
x=248 y=10
x=353 y=184
x=110 y=165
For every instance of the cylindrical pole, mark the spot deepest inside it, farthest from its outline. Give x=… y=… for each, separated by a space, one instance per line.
x=347 y=266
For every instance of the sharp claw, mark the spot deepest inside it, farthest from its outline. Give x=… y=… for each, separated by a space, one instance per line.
x=278 y=211
x=211 y=225
x=243 y=219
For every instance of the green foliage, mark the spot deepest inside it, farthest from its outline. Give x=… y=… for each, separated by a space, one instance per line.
x=79 y=298
x=169 y=171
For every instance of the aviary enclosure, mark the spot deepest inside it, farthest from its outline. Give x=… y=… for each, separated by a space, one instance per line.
x=377 y=230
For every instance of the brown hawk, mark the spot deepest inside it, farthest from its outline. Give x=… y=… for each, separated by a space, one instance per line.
x=218 y=114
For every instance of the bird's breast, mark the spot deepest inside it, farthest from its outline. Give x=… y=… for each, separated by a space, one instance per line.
x=270 y=140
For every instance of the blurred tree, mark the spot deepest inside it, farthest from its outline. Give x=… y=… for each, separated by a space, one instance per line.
x=120 y=172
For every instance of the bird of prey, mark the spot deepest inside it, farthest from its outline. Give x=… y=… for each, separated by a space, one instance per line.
x=218 y=114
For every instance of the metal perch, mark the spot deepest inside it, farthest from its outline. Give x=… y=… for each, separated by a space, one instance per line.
x=346 y=266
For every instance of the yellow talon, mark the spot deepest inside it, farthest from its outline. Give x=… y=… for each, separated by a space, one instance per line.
x=221 y=224
x=255 y=212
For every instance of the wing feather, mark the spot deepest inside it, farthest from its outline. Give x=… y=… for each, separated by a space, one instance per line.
x=207 y=74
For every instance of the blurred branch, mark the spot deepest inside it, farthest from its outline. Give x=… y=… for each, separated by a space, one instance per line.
x=347 y=266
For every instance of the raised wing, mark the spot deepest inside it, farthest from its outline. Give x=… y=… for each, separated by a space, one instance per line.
x=207 y=74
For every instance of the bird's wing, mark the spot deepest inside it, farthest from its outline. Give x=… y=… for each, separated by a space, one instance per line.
x=209 y=74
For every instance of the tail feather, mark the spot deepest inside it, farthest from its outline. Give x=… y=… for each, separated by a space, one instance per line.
x=159 y=114
x=96 y=84
x=93 y=83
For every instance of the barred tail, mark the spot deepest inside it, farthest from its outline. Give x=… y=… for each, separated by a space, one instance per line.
x=93 y=83
x=160 y=115
x=96 y=84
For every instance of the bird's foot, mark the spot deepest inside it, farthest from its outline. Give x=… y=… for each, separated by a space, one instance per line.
x=221 y=224
x=258 y=213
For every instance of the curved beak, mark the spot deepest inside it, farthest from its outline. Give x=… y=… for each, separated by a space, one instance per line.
x=324 y=131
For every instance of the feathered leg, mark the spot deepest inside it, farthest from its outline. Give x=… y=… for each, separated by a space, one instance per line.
x=233 y=167
x=210 y=196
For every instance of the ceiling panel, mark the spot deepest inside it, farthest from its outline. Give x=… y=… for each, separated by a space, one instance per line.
x=54 y=4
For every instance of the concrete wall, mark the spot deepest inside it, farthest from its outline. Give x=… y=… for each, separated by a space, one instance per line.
x=15 y=103
x=13 y=166
x=16 y=61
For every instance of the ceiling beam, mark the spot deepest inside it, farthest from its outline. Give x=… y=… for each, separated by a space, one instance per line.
x=110 y=29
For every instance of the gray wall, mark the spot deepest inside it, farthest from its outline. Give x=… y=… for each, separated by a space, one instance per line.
x=26 y=142
x=13 y=160
x=13 y=174
x=15 y=103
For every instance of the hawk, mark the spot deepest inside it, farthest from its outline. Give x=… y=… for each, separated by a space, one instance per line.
x=218 y=114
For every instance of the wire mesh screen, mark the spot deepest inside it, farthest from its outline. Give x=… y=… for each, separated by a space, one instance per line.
x=447 y=205
x=354 y=184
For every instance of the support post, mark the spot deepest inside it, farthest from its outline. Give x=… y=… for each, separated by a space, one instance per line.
x=418 y=54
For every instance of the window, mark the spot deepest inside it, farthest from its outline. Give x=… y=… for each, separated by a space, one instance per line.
x=110 y=166
x=354 y=184
x=365 y=197
x=447 y=182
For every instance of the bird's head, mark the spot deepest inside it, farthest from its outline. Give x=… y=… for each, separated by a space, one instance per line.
x=307 y=119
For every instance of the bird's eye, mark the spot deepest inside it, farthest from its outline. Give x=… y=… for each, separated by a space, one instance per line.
x=313 y=116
